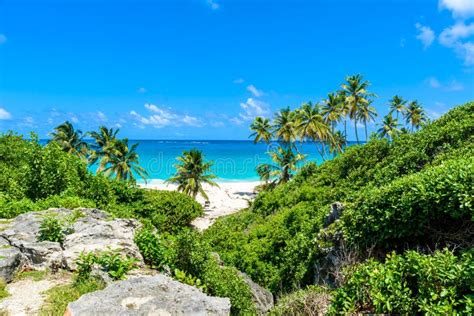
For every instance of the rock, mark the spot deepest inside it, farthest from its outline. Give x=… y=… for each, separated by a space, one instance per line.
x=11 y=260
x=262 y=298
x=336 y=211
x=91 y=232
x=149 y=295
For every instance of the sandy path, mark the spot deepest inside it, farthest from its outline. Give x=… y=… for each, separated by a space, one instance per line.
x=228 y=198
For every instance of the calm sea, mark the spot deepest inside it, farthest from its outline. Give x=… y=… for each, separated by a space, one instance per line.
x=233 y=160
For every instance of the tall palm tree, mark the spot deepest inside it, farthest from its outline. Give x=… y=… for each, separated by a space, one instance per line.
x=389 y=127
x=397 y=104
x=333 y=110
x=104 y=147
x=345 y=108
x=357 y=95
x=285 y=162
x=123 y=162
x=191 y=172
x=71 y=140
x=415 y=115
x=285 y=126
x=366 y=113
x=337 y=143
x=311 y=125
x=262 y=130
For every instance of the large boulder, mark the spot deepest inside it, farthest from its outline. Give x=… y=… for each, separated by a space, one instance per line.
x=149 y=295
x=11 y=260
x=93 y=231
x=262 y=297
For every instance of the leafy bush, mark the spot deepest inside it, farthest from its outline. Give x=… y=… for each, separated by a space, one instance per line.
x=440 y=284
x=153 y=248
x=85 y=263
x=51 y=229
x=115 y=264
x=3 y=289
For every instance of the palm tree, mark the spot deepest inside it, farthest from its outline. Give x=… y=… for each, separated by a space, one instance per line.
x=285 y=162
x=415 y=115
x=191 y=172
x=261 y=128
x=104 y=146
x=123 y=162
x=345 y=108
x=366 y=113
x=389 y=127
x=311 y=125
x=333 y=110
x=357 y=95
x=337 y=143
x=397 y=104
x=71 y=140
x=284 y=125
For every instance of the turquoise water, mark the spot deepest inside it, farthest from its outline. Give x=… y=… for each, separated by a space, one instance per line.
x=233 y=160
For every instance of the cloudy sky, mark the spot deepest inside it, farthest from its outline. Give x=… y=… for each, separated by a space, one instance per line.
x=203 y=69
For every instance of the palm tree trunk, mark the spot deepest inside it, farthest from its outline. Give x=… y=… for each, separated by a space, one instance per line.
x=365 y=126
x=355 y=126
x=345 y=127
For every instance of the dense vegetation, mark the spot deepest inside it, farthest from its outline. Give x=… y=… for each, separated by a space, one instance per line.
x=412 y=192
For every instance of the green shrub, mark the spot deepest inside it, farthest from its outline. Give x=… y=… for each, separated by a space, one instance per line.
x=13 y=208
x=3 y=289
x=51 y=229
x=440 y=284
x=85 y=263
x=153 y=248
x=168 y=210
x=115 y=264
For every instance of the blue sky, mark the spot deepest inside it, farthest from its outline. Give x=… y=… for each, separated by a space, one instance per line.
x=202 y=69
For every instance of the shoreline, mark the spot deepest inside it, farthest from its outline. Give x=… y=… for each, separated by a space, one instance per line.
x=230 y=197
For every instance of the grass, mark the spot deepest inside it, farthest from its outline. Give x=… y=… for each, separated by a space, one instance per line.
x=58 y=297
x=3 y=289
x=35 y=275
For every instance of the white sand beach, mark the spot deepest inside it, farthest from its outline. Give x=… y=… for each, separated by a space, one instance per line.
x=228 y=198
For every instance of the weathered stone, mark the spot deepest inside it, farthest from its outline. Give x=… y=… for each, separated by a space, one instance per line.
x=336 y=211
x=92 y=232
x=11 y=260
x=262 y=298
x=150 y=295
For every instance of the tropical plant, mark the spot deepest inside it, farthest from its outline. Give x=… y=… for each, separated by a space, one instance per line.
x=70 y=139
x=357 y=96
x=311 y=125
x=332 y=110
x=389 y=127
x=398 y=105
x=123 y=163
x=285 y=125
x=192 y=172
x=337 y=143
x=367 y=113
x=104 y=147
x=285 y=163
x=415 y=115
x=262 y=130
x=51 y=229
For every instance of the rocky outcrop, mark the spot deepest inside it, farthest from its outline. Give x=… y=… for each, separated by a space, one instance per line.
x=150 y=295
x=335 y=213
x=92 y=231
x=262 y=298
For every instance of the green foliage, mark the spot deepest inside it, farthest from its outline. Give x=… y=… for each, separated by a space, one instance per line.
x=414 y=189
x=185 y=278
x=58 y=297
x=438 y=284
x=51 y=229
x=115 y=264
x=153 y=248
x=35 y=275
x=3 y=289
x=85 y=263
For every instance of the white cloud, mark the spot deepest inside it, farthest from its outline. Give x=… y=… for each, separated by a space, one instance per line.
x=3 y=39
x=162 y=117
x=459 y=8
x=4 y=114
x=239 y=81
x=252 y=89
x=425 y=35
x=73 y=118
x=212 y=4
x=101 y=117
x=142 y=90
x=433 y=82
x=402 y=42
x=251 y=109
x=455 y=37
x=453 y=85
x=432 y=114
x=217 y=124
x=118 y=125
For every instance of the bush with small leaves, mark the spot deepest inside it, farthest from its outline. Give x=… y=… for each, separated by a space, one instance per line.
x=51 y=229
